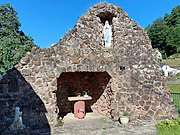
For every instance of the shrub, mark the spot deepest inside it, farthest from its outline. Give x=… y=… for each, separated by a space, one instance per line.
x=125 y=113
x=168 y=127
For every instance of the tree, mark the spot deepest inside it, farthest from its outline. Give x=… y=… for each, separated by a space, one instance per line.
x=173 y=20
x=173 y=41
x=165 y=33
x=157 y=32
x=13 y=42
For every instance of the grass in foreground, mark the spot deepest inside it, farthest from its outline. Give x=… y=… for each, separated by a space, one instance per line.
x=168 y=127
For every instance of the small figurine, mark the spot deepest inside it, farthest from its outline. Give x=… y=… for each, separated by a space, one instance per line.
x=86 y=92
x=18 y=118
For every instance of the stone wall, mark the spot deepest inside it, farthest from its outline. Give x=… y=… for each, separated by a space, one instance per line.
x=136 y=83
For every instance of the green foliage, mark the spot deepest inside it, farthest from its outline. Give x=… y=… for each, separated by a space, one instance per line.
x=13 y=42
x=125 y=113
x=165 y=33
x=168 y=127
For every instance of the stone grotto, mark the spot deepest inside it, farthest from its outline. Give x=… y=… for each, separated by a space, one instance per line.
x=124 y=75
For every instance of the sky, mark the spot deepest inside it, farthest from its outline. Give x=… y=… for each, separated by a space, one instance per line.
x=49 y=20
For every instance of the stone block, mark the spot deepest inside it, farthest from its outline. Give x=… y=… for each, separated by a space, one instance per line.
x=25 y=61
x=26 y=72
x=118 y=96
x=37 y=62
x=54 y=82
x=87 y=61
x=50 y=74
x=145 y=97
x=31 y=79
x=146 y=108
x=39 y=82
x=150 y=113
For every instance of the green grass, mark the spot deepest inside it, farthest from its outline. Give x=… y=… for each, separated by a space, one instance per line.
x=173 y=60
x=176 y=55
x=168 y=127
x=174 y=88
x=170 y=62
x=168 y=131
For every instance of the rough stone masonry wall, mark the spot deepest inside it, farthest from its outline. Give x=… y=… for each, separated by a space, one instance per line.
x=136 y=80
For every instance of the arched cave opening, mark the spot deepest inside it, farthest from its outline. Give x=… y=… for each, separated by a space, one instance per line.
x=69 y=84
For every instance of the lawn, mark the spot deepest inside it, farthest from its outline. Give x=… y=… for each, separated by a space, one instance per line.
x=174 y=88
x=170 y=62
x=168 y=127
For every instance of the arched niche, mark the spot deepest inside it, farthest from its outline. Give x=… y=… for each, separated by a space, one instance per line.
x=71 y=83
x=106 y=16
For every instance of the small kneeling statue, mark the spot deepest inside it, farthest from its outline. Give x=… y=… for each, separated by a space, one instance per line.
x=17 y=120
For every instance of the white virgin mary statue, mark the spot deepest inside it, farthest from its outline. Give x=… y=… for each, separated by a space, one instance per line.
x=107 y=32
